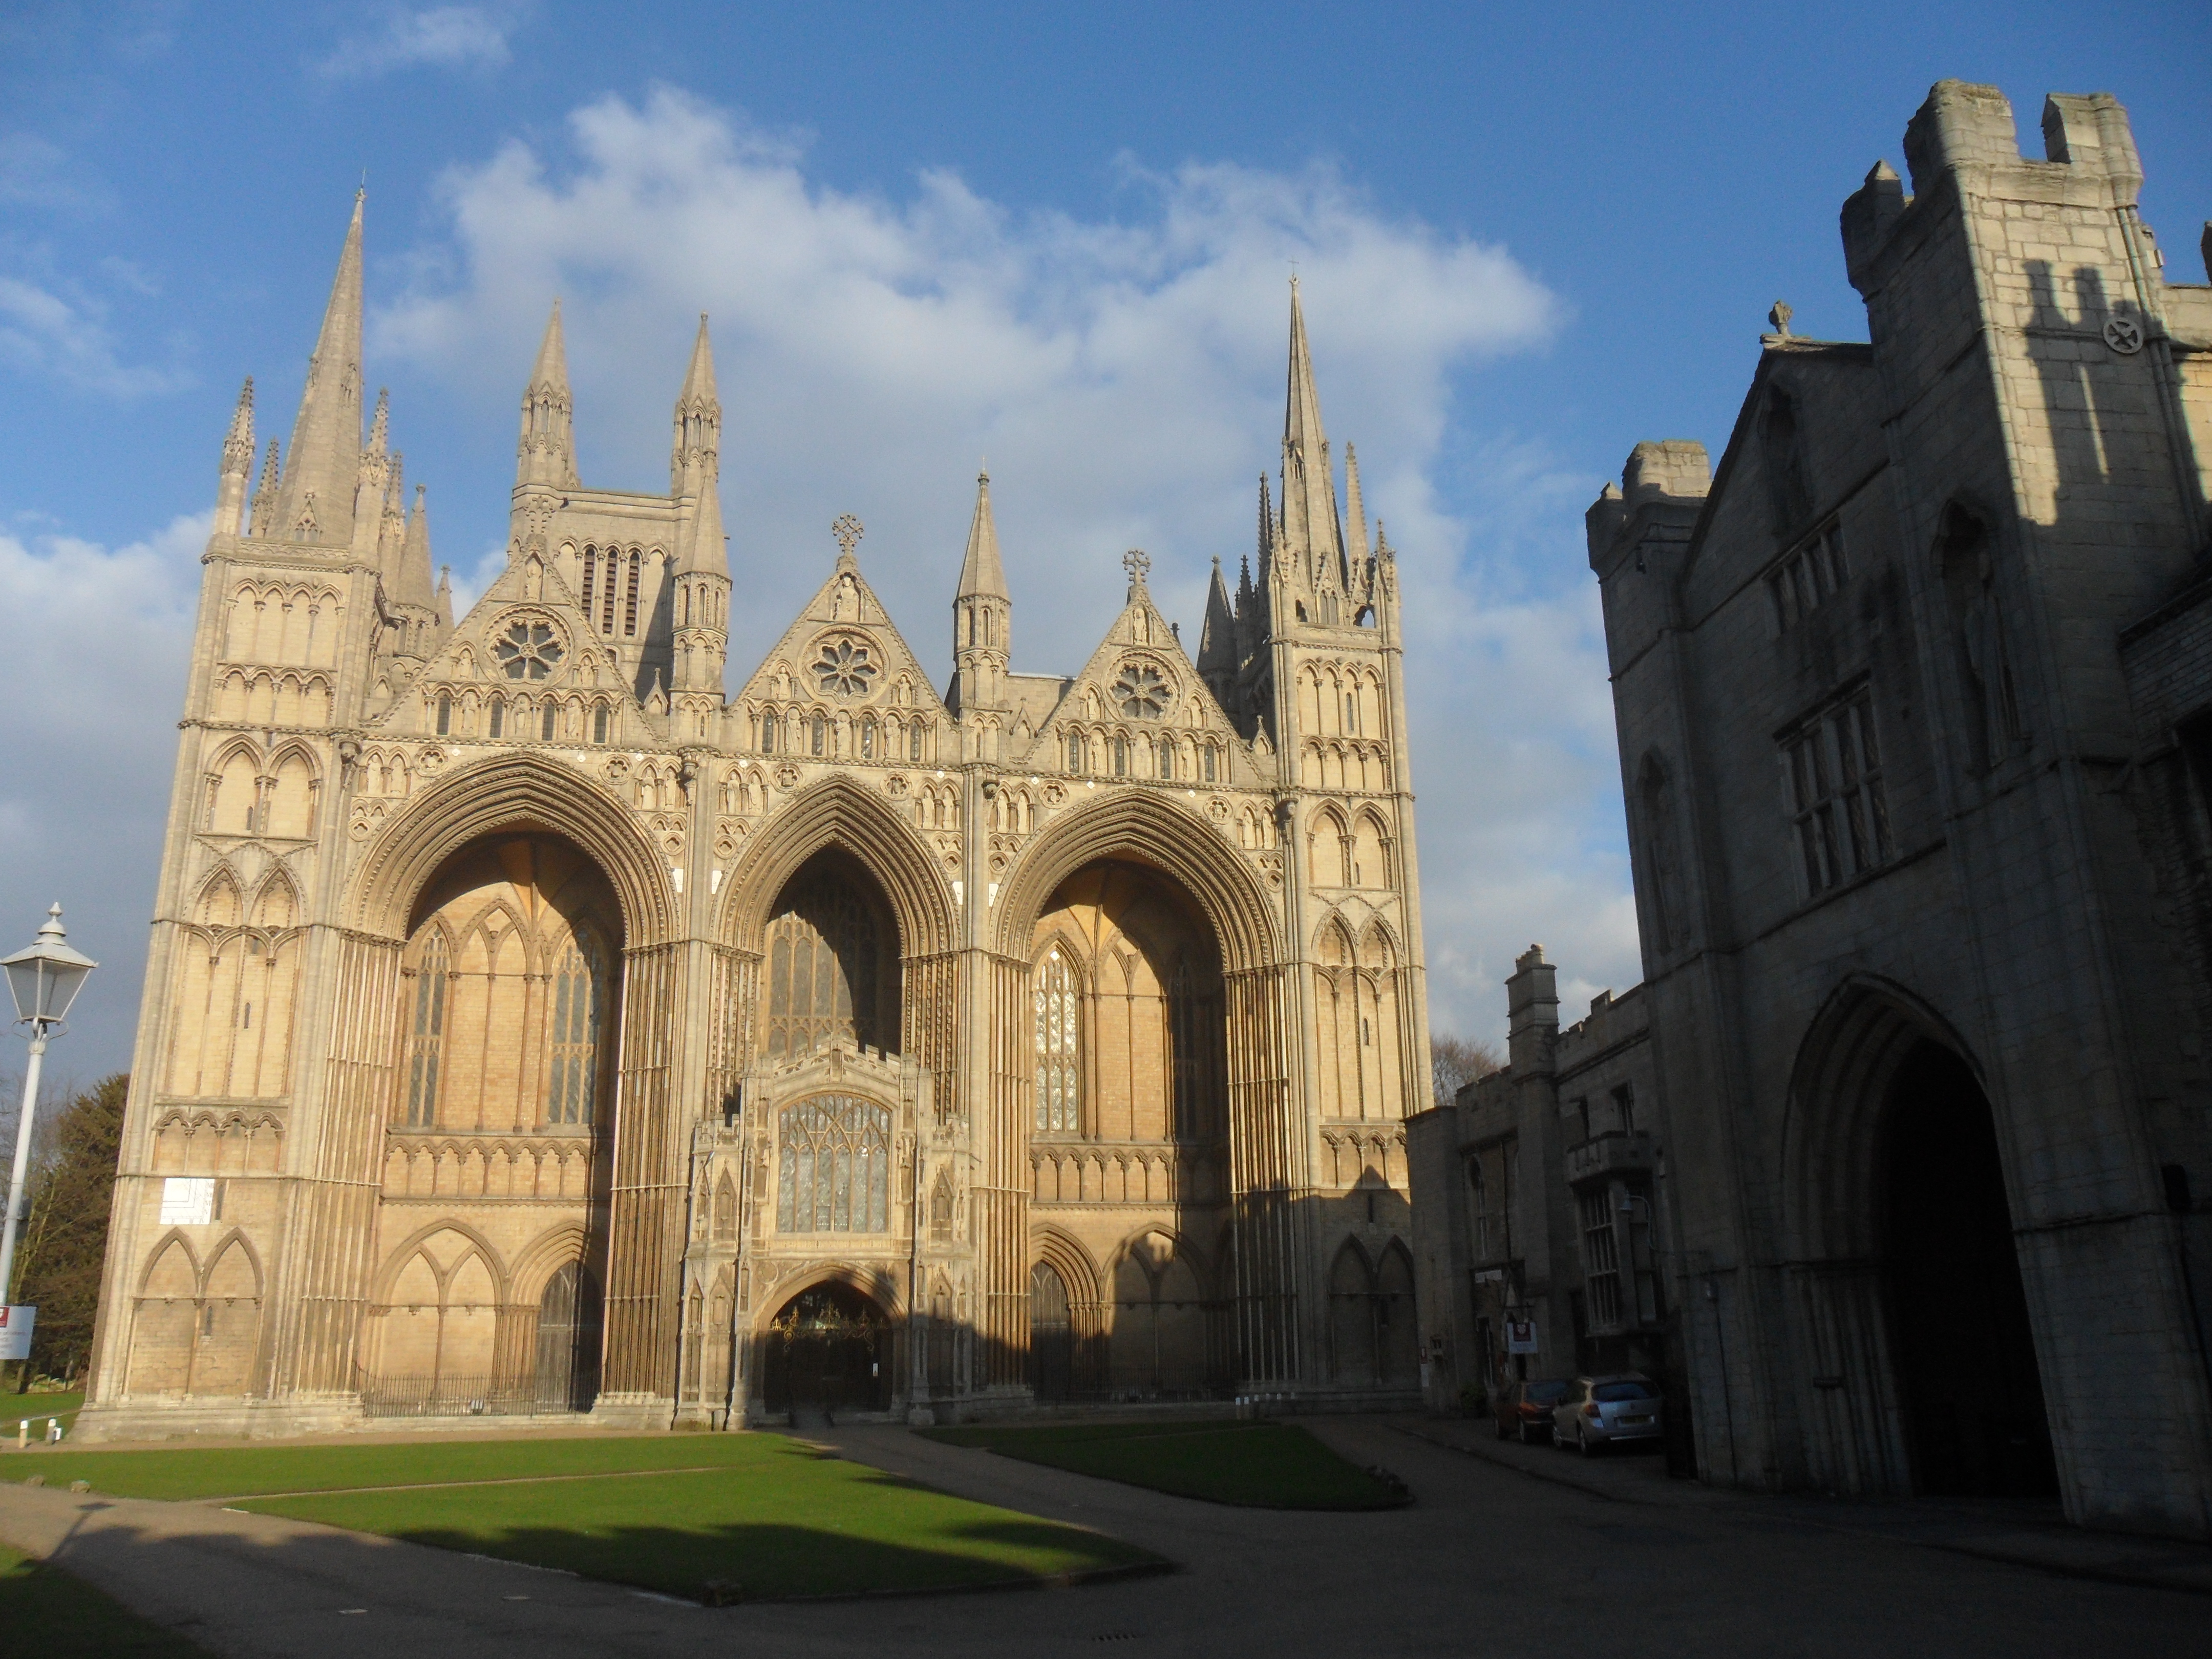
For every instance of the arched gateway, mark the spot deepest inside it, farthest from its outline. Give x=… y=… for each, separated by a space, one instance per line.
x=538 y=1025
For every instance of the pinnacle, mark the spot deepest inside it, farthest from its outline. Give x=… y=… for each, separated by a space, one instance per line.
x=699 y=378
x=552 y=365
x=415 y=562
x=981 y=572
x=325 y=453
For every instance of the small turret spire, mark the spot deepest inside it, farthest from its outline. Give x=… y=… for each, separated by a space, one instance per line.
x=1217 y=656
x=702 y=567
x=698 y=412
x=1356 y=521
x=445 y=598
x=264 y=493
x=547 y=452
x=415 y=562
x=237 y=466
x=1310 y=524
x=392 y=529
x=981 y=572
x=373 y=491
x=982 y=624
x=315 y=503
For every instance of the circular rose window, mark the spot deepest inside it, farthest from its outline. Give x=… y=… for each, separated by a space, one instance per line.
x=845 y=668
x=1142 y=692
x=528 y=650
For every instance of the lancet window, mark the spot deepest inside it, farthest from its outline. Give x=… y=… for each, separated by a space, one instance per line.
x=1059 y=1048
x=629 y=602
x=577 y=995
x=428 y=1037
x=824 y=964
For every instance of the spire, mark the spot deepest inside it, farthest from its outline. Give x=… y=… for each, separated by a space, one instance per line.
x=237 y=466
x=1355 y=519
x=445 y=598
x=392 y=529
x=415 y=562
x=1310 y=529
x=1217 y=642
x=316 y=501
x=264 y=494
x=1267 y=529
x=372 y=490
x=547 y=452
x=981 y=573
x=695 y=464
x=379 y=425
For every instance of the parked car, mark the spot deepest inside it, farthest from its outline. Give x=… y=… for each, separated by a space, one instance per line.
x=1524 y=1407
x=1599 y=1412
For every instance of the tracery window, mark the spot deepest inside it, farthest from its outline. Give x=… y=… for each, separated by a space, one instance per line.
x=527 y=650
x=427 y=1037
x=1059 y=1048
x=577 y=994
x=844 y=668
x=1141 y=691
x=824 y=962
x=833 y=1172
x=1833 y=766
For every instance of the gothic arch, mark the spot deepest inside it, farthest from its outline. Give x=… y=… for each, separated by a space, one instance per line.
x=234 y=1241
x=209 y=904
x=172 y=1240
x=409 y=1248
x=536 y=1262
x=880 y=1288
x=838 y=813
x=514 y=792
x=1138 y=827
x=1077 y=1273
x=277 y=885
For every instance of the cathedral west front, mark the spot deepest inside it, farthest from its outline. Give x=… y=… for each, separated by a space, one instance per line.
x=535 y=1023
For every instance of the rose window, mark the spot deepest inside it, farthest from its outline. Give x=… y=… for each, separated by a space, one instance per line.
x=845 y=668
x=1142 y=691
x=528 y=651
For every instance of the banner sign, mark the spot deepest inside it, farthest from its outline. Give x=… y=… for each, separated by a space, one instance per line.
x=16 y=1332
x=1520 y=1336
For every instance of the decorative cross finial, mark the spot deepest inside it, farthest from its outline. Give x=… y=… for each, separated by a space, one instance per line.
x=1780 y=317
x=1139 y=564
x=848 y=532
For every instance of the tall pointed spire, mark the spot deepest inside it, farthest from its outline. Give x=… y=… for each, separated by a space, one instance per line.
x=982 y=624
x=1310 y=526
x=981 y=573
x=1218 y=655
x=237 y=466
x=547 y=452
x=703 y=568
x=316 y=501
x=415 y=562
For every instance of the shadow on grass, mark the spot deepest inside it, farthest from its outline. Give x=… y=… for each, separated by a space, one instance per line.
x=47 y=1612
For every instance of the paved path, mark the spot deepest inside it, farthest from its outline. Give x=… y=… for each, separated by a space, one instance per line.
x=1486 y=1560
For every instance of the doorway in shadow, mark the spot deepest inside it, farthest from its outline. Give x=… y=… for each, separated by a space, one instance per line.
x=1972 y=1396
x=828 y=1350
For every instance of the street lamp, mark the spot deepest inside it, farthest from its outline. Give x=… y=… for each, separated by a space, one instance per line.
x=43 y=980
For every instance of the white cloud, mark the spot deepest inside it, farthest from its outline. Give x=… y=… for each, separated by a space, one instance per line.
x=96 y=641
x=1124 y=378
x=434 y=37
x=44 y=333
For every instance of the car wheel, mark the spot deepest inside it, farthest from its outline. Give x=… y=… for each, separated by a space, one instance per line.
x=1559 y=1444
x=1581 y=1442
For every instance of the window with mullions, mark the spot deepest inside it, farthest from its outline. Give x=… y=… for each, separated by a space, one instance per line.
x=1075 y=752
x=1059 y=1046
x=1808 y=577
x=577 y=995
x=427 y=1037
x=1167 y=758
x=833 y=1174
x=1832 y=775
x=1601 y=1257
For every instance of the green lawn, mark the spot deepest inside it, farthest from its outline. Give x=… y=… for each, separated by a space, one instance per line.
x=1273 y=1465
x=46 y=1612
x=717 y=1517
x=38 y=1407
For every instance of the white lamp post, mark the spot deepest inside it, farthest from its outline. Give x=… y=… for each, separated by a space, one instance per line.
x=43 y=980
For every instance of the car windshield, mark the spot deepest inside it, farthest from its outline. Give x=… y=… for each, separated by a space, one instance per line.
x=1543 y=1393
x=1613 y=1391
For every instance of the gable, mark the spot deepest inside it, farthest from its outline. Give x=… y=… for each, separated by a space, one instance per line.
x=842 y=655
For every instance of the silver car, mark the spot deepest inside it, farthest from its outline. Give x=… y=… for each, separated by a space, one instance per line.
x=1601 y=1410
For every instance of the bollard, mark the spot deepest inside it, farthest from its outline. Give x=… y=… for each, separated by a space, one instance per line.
x=22 y=1434
x=53 y=1431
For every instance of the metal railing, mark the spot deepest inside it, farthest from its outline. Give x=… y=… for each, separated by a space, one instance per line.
x=457 y=1396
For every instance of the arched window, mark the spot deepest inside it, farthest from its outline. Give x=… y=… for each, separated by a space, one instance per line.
x=1210 y=763
x=819 y=733
x=1167 y=758
x=629 y=602
x=1120 y=756
x=941 y=1208
x=576 y=996
x=833 y=1173
x=1075 y=752
x=549 y=722
x=825 y=968
x=767 y=731
x=1059 y=1045
x=914 y=743
x=497 y=726
x=591 y=569
x=868 y=738
x=726 y=1211
x=445 y=714
x=428 y=1038
x=600 y=724
x=607 y=590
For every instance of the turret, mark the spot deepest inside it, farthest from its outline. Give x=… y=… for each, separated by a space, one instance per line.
x=392 y=529
x=264 y=494
x=983 y=613
x=371 y=482
x=1360 y=590
x=702 y=600
x=315 y=501
x=547 y=451
x=1313 y=552
x=237 y=466
x=1218 y=653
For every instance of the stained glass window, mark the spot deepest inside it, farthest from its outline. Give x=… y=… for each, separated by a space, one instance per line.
x=428 y=1034
x=577 y=995
x=1058 y=1060
x=833 y=1174
x=824 y=964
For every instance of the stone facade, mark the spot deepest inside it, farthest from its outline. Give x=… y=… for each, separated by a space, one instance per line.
x=531 y=1025
x=1540 y=1193
x=1910 y=692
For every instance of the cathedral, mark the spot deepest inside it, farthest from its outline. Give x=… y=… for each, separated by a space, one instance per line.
x=533 y=1025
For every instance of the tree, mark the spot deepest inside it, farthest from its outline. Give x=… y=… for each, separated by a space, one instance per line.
x=1455 y=1061
x=64 y=1239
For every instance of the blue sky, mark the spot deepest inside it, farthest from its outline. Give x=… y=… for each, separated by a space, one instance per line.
x=1057 y=236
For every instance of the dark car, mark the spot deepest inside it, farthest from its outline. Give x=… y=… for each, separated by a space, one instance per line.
x=1524 y=1407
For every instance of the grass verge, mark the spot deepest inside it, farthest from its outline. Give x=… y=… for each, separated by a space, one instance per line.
x=715 y=1517
x=1275 y=1466
x=46 y=1612
x=38 y=1407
